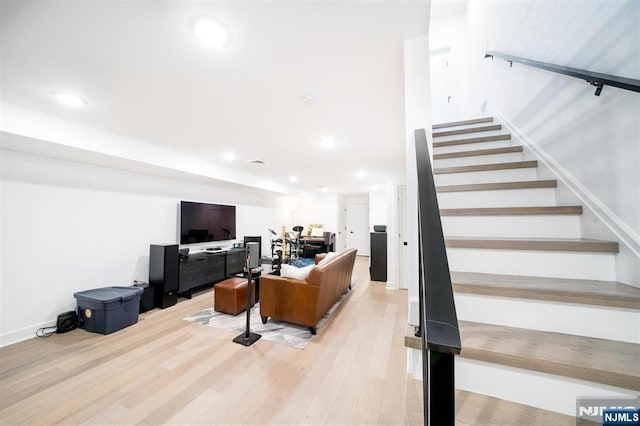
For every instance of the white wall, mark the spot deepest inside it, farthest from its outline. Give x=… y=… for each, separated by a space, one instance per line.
x=592 y=142
x=68 y=226
x=319 y=209
x=378 y=214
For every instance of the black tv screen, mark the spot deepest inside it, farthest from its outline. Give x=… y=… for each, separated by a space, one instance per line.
x=200 y=222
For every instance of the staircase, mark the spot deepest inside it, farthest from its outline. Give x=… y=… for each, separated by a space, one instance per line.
x=542 y=319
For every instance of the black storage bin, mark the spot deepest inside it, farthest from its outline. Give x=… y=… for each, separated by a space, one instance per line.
x=108 y=309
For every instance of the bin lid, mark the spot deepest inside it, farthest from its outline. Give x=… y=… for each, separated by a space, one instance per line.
x=110 y=294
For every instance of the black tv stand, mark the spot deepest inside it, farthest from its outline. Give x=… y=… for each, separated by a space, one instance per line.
x=204 y=269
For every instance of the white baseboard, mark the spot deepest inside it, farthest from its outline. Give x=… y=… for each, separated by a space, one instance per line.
x=623 y=231
x=22 y=334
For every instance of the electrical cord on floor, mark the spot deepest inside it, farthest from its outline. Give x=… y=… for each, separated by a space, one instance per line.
x=42 y=332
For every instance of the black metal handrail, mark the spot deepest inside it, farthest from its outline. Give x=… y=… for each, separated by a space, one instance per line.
x=594 y=78
x=438 y=320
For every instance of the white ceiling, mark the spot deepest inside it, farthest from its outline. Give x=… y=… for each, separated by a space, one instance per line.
x=146 y=77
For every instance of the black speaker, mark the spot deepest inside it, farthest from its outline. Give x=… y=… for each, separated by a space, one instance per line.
x=164 y=273
x=67 y=321
x=378 y=259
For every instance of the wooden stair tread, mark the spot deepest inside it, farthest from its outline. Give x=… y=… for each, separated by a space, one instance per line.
x=588 y=292
x=527 y=184
x=478 y=152
x=512 y=211
x=463 y=122
x=464 y=131
x=486 y=167
x=603 y=361
x=472 y=140
x=597 y=360
x=546 y=244
x=482 y=410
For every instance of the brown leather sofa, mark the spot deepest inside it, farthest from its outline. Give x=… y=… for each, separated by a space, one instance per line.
x=304 y=302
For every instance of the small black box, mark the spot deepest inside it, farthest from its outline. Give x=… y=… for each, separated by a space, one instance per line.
x=380 y=228
x=147 y=300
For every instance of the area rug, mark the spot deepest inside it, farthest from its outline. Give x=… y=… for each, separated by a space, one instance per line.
x=301 y=262
x=284 y=333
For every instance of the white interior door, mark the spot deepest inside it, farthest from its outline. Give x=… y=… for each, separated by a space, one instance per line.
x=402 y=241
x=358 y=228
x=441 y=97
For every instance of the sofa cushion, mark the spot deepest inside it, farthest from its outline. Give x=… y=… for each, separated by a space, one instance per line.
x=288 y=271
x=328 y=257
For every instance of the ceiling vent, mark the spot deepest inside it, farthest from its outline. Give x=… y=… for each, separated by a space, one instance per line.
x=258 y=162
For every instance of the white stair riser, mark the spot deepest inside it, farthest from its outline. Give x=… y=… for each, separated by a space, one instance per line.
x=508 y=157
x=557 y=226
x=471 y=146
x=523 y=386
x=528 y=387
x=535 y=263
x=602 y=322
x=465 y=135
x=490 y=176
x=498 y=198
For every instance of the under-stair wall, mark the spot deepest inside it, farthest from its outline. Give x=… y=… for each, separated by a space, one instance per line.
x=543 y=319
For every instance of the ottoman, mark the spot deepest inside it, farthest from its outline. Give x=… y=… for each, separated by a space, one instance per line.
x=230 y=295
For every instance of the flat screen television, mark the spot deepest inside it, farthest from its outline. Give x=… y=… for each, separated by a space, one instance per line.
x=201 y=222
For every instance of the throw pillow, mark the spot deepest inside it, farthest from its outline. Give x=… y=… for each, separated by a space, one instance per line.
x=329 y=255
x=288 y=271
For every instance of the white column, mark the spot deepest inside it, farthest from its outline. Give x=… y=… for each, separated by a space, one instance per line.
x=417 y=116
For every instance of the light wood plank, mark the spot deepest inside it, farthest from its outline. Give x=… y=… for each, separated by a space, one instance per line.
x=527 y=184
x=546 y=244
x=589 y=292
x=167 y=370
x=478 y=152
x=513 y=211
x=465 y=131
x=463 y=122
x=472 y=140
x=486 y=167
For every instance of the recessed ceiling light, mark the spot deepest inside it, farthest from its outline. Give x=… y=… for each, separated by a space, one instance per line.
x=293 y=179
x=327 y=143
x=69 y=99
x=361 y=173
x=211 y=32
x=309 y=99
x=229 y=156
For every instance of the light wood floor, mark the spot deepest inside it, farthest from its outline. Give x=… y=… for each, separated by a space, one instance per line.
x=166 y=370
